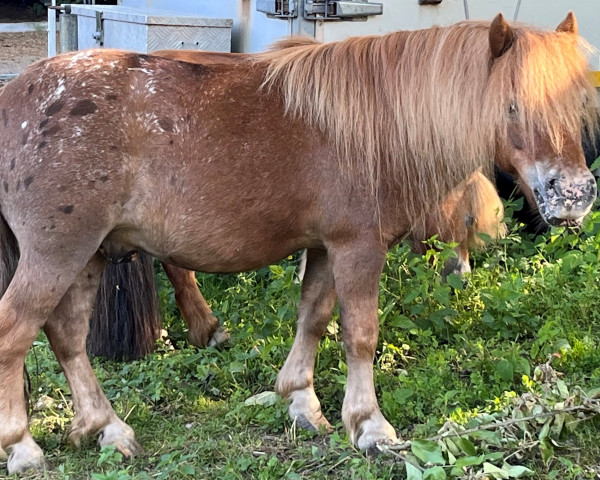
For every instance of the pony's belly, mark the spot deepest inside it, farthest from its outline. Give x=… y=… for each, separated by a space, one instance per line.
x=205 y=250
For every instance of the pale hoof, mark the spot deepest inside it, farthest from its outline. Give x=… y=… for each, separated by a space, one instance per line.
x=305 y=410
x=313 y=423
x=25 y=455
x=372 y=432
x=121 y=436
x=218 y=338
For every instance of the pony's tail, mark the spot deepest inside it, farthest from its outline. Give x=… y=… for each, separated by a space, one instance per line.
x=9 y=255
x=126 y=319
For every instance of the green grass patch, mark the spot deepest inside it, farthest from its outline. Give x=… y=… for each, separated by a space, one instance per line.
x=450 y=356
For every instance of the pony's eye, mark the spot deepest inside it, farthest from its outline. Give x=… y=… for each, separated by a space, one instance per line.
x=513 y=109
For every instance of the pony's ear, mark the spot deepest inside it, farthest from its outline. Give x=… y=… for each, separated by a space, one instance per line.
x=501 y=36
x=568 y=25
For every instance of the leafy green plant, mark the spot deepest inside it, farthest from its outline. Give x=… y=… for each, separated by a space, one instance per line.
x=452 y=359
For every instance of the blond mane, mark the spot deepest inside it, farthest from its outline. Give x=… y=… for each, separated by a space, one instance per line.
x=422 y=108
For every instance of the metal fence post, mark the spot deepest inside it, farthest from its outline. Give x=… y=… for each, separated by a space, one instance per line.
x=68 y=32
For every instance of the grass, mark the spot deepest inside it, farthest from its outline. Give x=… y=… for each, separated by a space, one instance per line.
x=448 y=354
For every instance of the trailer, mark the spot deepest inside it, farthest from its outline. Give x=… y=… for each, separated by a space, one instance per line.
x=255 y=24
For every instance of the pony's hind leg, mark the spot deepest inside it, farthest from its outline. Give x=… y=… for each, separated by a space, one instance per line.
x=31 y=297
x=18 y=330
x=356 y=269
x=204 y=329
x=67 y=330
x=295 y=380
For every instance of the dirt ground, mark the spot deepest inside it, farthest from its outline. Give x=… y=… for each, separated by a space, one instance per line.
x=17 y=50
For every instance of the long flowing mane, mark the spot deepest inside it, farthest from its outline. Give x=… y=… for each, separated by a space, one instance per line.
x=422 y=108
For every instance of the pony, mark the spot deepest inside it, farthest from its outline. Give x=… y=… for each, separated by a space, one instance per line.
x=130 y=329
x=339 y=148
x=126 y=320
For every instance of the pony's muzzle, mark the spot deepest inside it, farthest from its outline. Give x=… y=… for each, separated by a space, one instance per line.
x=566 y=201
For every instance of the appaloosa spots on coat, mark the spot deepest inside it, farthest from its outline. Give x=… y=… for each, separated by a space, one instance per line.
x=42 y=144
x=5 y=184
x=104 y=178
x=24 y=138
x=12 y=163
x=166 y=124
x=66 y=209
x=51 y=131
x=84 y=107
x=111 y=97
x=28 y=181
x=54 y=108
x=43 y=123
x=30 y=88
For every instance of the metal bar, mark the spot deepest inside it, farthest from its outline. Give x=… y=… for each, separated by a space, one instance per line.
x=52 y=30
x=518 y=7
x=68 y=32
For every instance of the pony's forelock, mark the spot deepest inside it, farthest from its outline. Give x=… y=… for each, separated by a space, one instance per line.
x=422 y=108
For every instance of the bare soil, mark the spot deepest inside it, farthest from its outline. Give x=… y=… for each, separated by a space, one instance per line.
x=18 y=50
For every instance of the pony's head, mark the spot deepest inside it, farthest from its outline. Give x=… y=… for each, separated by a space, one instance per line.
x=419 y=111
x=544 y=104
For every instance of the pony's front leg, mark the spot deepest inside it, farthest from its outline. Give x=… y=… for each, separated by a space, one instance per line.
x=356 y=270
x=67 y=331
x=295 y=380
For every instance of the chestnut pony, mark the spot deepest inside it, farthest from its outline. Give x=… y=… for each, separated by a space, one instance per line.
x=126 y=322
x=338 y=148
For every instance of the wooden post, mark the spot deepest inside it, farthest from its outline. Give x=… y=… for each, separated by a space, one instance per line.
x=68 y=32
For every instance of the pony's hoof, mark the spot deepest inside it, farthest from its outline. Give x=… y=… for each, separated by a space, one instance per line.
x=313 y=423
x=305 y=410
x=372 y=432
x=75 y=436
x=25 y=455
x=121 y=436
x=220 y=337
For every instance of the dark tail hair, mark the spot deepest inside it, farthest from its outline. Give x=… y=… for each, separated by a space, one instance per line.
x=126 y=319
x=9 y=255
